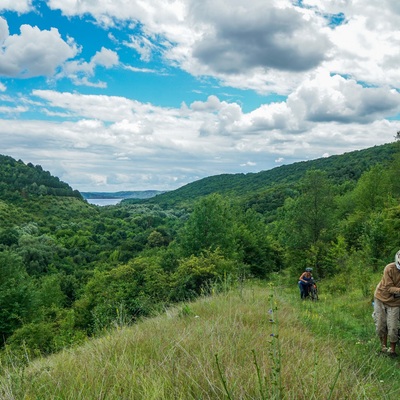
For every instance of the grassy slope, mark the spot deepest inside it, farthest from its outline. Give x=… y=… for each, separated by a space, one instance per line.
x=176 y=355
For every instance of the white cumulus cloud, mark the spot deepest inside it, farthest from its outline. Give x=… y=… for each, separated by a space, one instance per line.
x=328 y=98
x=33 y=52
x=20 y=6
x=81 y=72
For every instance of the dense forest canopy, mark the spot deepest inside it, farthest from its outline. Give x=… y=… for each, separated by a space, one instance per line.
x=70 y=270
x=20 y=180
x=341 y=169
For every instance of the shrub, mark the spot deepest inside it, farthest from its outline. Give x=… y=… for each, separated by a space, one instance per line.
x=195 y=274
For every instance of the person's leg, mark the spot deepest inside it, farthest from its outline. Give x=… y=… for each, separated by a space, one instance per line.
x=383 y=340
x=392 y=326
x=305 y=291
x=380 y=319
x=301 y=290
x=392 y=347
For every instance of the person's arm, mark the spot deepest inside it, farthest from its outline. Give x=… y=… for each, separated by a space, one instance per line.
x=389 y=282
x=301 y=277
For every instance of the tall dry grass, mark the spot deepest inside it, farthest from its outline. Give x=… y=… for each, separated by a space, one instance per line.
x=244 y=344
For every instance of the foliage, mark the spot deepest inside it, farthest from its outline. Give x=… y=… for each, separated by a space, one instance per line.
x=71 y=269
x=307 y=221
x=123 y=293
x=372 y=190
x=210 y=226
x=16 y=294
x=259 y=252
x=19 y=181
x=340 y=169
x=195 y=274
x=336 y=258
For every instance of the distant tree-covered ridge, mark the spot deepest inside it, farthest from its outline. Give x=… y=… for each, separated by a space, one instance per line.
x=19 y=180
x=138 y=194
x=340 y=169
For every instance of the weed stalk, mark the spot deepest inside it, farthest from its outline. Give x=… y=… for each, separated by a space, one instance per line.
x=335 y=380
x=260 y=382
x=223 y=380
x=275 y=351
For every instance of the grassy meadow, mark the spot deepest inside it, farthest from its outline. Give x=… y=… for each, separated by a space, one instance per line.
x=258 y=341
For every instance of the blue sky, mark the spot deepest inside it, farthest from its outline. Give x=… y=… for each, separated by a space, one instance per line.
x=137 y=95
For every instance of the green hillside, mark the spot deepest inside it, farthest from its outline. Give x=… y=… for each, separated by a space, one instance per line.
x=72 y=271
x=343 y=168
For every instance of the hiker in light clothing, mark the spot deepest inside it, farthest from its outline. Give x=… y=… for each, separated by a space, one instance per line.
x=387 y=307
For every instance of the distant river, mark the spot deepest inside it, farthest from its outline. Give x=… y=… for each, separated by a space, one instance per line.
x=104 y=202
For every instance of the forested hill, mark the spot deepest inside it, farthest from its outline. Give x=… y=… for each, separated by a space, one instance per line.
x=137 y=194
x=339 y=168
x=19 y=180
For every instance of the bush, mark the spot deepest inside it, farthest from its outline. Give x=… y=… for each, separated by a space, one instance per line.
x=36 y=338
x=195 y=274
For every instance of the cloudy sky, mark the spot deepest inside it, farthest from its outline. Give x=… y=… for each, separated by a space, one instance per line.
x=152 y=94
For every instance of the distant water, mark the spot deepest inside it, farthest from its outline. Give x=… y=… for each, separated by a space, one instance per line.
x=104 y=202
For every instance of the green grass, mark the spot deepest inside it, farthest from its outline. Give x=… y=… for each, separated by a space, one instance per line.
x=261 y=342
